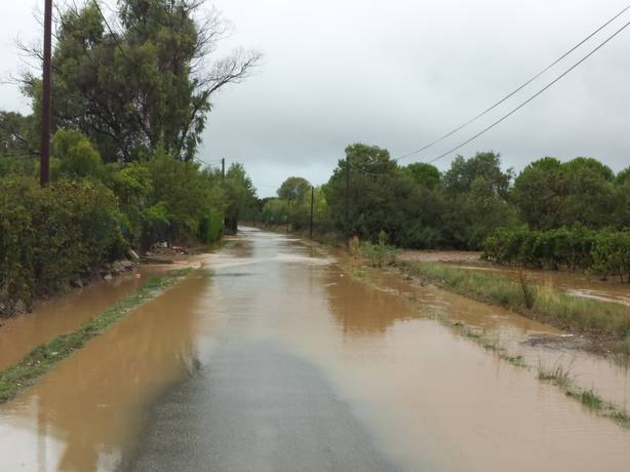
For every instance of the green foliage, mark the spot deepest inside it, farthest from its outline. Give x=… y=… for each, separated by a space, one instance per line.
x=78 y=158
x=611 y=254
x=210 y=227
x=379 y=254
x=145 y=84
x=17 y=134
x=182 y=198
x=240 y=195
x=275 y=211
x=380 y=198
x=549 y=194
x=600 y=252
x=49 y=236
x=485 y=167
x=294 y=189
x=424 y=175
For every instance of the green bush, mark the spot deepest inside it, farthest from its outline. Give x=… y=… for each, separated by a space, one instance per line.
x=596 y=251
x=49 y=236
x=211 y=227
x=611 y=253
x=379 y=254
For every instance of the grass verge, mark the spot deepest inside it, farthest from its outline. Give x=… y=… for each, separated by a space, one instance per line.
x=606 y=323
x=560 y=376
x=45 y=356
x=488 y=343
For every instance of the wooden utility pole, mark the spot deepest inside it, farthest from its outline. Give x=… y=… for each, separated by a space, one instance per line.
x=223 y=168
x=44 y=176
x=312 y=208
x=347 y=200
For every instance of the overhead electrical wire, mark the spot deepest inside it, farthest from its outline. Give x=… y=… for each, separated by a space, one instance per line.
x=515 y=91
x=537 y=94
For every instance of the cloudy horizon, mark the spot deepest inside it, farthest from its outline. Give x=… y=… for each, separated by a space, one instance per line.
x=336 y=73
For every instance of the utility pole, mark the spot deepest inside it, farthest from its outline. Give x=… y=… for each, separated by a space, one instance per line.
x=46 y=92
x=347 y=200
x=223 y=168
x=312 y=208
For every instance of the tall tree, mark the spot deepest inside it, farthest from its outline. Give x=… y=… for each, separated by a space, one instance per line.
x=143 y=78
x=537 y=193
x=240 y=195
x=294 y=189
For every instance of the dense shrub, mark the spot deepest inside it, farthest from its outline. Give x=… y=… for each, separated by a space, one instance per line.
x=611 y=253
x=49 y=236
x=603 y=252
x=211 y=227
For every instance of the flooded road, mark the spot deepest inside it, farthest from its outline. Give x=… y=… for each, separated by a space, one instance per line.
x=272 y=358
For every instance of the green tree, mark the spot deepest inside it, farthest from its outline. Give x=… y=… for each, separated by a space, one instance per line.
x=487 y=165
x=425 y=175
x=622 y=190
x=147 y=83
x=240 y=195
x=589 y=197
x=294 y=189
x=380 y=197
x=537 y=193
x=77 y=157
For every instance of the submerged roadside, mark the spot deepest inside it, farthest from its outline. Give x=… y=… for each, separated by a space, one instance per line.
x=564 y=344
x=44 y=357
x=604 y=326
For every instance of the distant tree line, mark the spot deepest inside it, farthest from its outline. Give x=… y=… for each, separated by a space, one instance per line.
x=420 y=207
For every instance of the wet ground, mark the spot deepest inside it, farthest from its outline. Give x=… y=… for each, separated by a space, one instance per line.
x=19 y=335
x=574 y=283
x=272 y=358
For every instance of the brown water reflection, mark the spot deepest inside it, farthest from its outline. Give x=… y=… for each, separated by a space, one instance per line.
x=511 y=330
x=431 y=399
x=83 y=414
x=61 y=315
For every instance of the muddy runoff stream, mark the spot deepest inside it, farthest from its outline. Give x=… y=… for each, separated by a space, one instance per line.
x=425 y=397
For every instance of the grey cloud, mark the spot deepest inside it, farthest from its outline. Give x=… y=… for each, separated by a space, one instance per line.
x=400 y=73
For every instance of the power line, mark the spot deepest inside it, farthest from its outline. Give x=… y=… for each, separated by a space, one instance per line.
x=514 y=92
x=358 y=169
x=111 y=31
x=540 y=92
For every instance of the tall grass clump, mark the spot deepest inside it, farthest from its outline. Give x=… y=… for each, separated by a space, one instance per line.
x=379 y=254
x=556 y=373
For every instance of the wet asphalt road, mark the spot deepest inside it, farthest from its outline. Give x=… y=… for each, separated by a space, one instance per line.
x=256 y=408
x=252 y=406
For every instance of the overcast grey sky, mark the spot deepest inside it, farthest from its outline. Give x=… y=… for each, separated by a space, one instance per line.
x=398 y=74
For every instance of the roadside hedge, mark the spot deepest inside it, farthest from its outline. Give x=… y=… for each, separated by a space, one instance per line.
x=50 y=236
x=603 y=252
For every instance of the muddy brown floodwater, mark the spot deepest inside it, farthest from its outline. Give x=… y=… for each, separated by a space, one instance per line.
x=51 y=318
x=428 y=398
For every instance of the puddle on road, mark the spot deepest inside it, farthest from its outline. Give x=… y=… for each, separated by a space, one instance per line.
x=431 y=399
